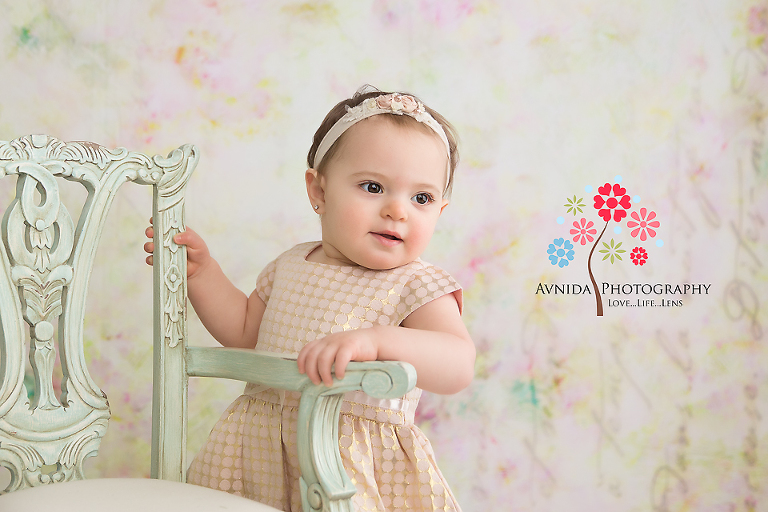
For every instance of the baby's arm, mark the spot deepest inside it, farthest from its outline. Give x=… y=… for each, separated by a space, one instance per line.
x=231 y=317
x=433 y=339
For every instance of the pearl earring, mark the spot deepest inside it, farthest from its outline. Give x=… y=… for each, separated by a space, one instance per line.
x=317 y=207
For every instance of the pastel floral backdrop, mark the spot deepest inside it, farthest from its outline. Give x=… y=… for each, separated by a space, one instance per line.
x=644 y=408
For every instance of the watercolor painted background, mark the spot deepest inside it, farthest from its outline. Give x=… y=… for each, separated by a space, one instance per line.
x=642 y=409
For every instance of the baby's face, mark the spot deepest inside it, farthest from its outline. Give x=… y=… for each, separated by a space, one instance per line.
x=383 y=195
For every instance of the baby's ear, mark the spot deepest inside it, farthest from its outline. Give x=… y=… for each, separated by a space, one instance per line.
x=315 y=190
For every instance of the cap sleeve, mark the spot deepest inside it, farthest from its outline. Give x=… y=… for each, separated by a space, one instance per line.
x=265 y=281
x=427 y=284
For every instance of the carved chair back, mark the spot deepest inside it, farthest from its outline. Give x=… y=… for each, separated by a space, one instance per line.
x=46 y=257
x=45 y=264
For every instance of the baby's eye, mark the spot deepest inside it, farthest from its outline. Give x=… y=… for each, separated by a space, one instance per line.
x=422 y=198
x=372 y=187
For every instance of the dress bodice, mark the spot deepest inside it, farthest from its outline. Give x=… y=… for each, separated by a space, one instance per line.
x=308 y=300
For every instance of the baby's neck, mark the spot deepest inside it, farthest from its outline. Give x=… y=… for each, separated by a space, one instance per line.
x=319 y=255
x=329 y=256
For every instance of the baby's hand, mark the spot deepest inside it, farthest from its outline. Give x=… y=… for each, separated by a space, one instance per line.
x=319 y=357
x=197 y=251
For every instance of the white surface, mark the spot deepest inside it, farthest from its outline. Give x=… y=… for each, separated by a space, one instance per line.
x=127 y=495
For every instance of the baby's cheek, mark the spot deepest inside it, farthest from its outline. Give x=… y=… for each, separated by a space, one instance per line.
x=423 y=233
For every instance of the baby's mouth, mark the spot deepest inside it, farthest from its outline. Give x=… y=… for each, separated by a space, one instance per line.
x=388 y=236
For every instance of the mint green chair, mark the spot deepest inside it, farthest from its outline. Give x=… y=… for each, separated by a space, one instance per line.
x=46 y=258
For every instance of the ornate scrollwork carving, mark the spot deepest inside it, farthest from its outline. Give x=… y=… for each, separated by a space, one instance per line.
x=45 y=262
x=29 y=467
x=316 y=497
x=39 y=148
x=171 y=207
x=175 y=303
x=40 y=236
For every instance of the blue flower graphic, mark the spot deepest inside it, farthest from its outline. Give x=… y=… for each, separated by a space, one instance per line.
x=560 y=252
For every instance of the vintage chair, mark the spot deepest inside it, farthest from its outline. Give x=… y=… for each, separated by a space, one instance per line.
x=46 y=259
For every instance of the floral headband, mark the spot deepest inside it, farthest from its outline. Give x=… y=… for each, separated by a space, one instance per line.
x=400 y=104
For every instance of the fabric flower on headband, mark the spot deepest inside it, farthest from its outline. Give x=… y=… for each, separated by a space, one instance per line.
x=398 y=102
x=394 y=103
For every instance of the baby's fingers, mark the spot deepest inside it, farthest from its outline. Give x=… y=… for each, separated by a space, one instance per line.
x=312 y=370
x=307 y=362
x=325 y=365
x=181 y=238
x=343 y=357
x=150 y=248
x=189 y=238
x=316 y=361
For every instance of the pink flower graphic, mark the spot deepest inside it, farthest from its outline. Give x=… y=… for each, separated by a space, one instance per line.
x=643 y=225
x=615 y=197
x=639 y=256
x=582 y=231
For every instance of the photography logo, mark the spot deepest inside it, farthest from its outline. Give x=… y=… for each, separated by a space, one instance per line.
x=611 y=206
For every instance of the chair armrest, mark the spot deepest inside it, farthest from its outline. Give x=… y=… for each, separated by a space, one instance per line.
x=379 y=379
x=324 y=481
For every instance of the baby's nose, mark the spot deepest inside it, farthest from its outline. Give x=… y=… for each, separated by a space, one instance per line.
x=395 y=209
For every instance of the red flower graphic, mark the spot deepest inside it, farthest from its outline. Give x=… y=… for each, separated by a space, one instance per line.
x=615 y=197
x=643 y=224
x=583 y=232
x=639 y=256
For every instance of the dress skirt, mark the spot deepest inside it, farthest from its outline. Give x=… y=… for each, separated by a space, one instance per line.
x=252 y=452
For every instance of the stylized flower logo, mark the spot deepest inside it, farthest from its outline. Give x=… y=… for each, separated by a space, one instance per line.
x=612 y=251
x=574 y=205
x=643 y=225
x=616 y=197
x=582 y=231
x=560 y=252
x=639 y=256
x=612 y=203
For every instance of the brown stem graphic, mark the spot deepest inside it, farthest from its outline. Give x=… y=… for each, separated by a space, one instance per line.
x=598 y=298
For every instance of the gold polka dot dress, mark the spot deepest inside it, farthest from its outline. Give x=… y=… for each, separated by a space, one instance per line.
x=252 y=450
